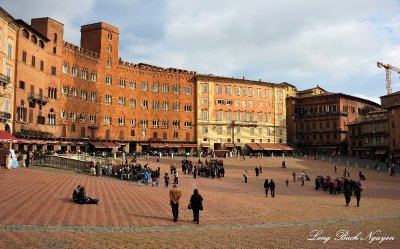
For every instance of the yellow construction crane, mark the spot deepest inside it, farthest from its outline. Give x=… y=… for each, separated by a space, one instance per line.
x=387 y=68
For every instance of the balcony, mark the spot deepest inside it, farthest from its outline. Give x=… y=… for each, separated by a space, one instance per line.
x=4 y=80
x=5 y=116
x=38 y=98
x=93 y=126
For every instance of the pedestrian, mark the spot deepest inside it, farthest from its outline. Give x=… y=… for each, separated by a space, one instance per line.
x=97 y=169
x=283 y=164
x=347 y=191
x=92 y=168
x=146 y=177
x=245 y=175
x=176 y=177
x=357 y=192
x=260 y=169
x=287 y=182
x=196 y=204
x=166 y=179
x=174 y=196
x=75 y=193
x=335 y=169
x=257 y=171
x=294 y=176
x=272 y=187
x=83 y=198
x=266 y=187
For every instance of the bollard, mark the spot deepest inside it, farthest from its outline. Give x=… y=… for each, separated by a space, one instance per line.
x=347 y=163
x=368 y=167
x=356 y=165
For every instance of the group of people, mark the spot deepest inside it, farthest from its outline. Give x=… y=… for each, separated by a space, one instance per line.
x=195 y=203
x=269 y=186
x=340 y=185
x=80 y=196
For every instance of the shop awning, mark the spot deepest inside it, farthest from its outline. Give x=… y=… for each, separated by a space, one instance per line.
x=189 y=145
x=110 y=144
x=380 y=152
x=267 y=146
x=34 y=141
x=254 y=146
x=6 y=137
x=285 y=147
x=205 y=145
x=229 y=145
x=157 y=145
x=98 y=144
x=121 y=144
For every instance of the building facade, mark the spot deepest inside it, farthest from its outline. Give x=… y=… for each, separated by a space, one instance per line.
x=8 y=45
x=391 y=103
x=318 y=123
x=368 y=137
x=234 y=112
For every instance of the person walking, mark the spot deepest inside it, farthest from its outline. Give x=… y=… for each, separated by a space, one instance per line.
x=357 y=192
x=266 y=187
x=174 y=196
x=245 y=175
x=166 y=179
x=272 y=187
x=347 y=191
x=294 y=176
x=176 y=177
x=196 y=204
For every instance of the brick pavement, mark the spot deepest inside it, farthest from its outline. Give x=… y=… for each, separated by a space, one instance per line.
x=36 y=211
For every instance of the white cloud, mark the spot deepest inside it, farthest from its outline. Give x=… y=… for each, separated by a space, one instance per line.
x=335 y=44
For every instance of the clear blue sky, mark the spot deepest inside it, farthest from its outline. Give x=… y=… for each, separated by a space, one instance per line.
x=334 y=44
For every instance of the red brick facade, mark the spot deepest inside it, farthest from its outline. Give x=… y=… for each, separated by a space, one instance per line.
x=391 y=103
x=317 y=124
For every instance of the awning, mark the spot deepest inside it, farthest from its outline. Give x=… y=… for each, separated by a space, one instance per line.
x=110 y=144
x=205 y=145
x=121 y=144
x=239 y=145
x=172 y=145
x=285 y=147
x=34 y=141
x=267 y=146
x=229 y=145
x=189 y=145
x=380 y=152
x=254 y=146
x=157 y=145
x=98 y=145
x=52 y=142
x=65 y=143
x=6 y=137
x=81 y=143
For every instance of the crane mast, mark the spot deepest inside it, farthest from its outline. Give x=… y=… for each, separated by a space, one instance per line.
x=388 y=68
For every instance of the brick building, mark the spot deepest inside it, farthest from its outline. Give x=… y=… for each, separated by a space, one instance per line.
x=391 y=103
x=318 y=123
x=111 y=103
x=233 y=113
x=37 y=82
x=368 y=136
x=8 y=42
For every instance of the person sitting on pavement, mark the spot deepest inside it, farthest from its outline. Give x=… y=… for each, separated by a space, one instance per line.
x=75 y=193
x=83 y=198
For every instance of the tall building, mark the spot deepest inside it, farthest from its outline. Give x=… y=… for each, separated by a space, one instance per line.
x=38 y=66
x=317 y=123
x=368 y=136
x=232 y=113
x=8 y=45
x=111 y=103
x=391 y=103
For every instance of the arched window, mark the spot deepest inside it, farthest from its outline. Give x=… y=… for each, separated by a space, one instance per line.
x=109 y=49
x=25 y=34
x=109 y=63
x=34 y=39
x=109 y=37
x=41 y=44
x=54 y=50
x=55 y=38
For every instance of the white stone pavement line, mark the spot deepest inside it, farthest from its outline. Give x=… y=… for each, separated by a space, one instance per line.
x=46 y=228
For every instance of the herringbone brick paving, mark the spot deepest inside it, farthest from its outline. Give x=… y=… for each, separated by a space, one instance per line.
x=36 y=209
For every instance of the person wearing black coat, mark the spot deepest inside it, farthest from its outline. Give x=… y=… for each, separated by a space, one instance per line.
x=266 y=187
x=357 y=192
x=347 y=191
x=196 y=204
x=272 y=187
x=83 y=198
